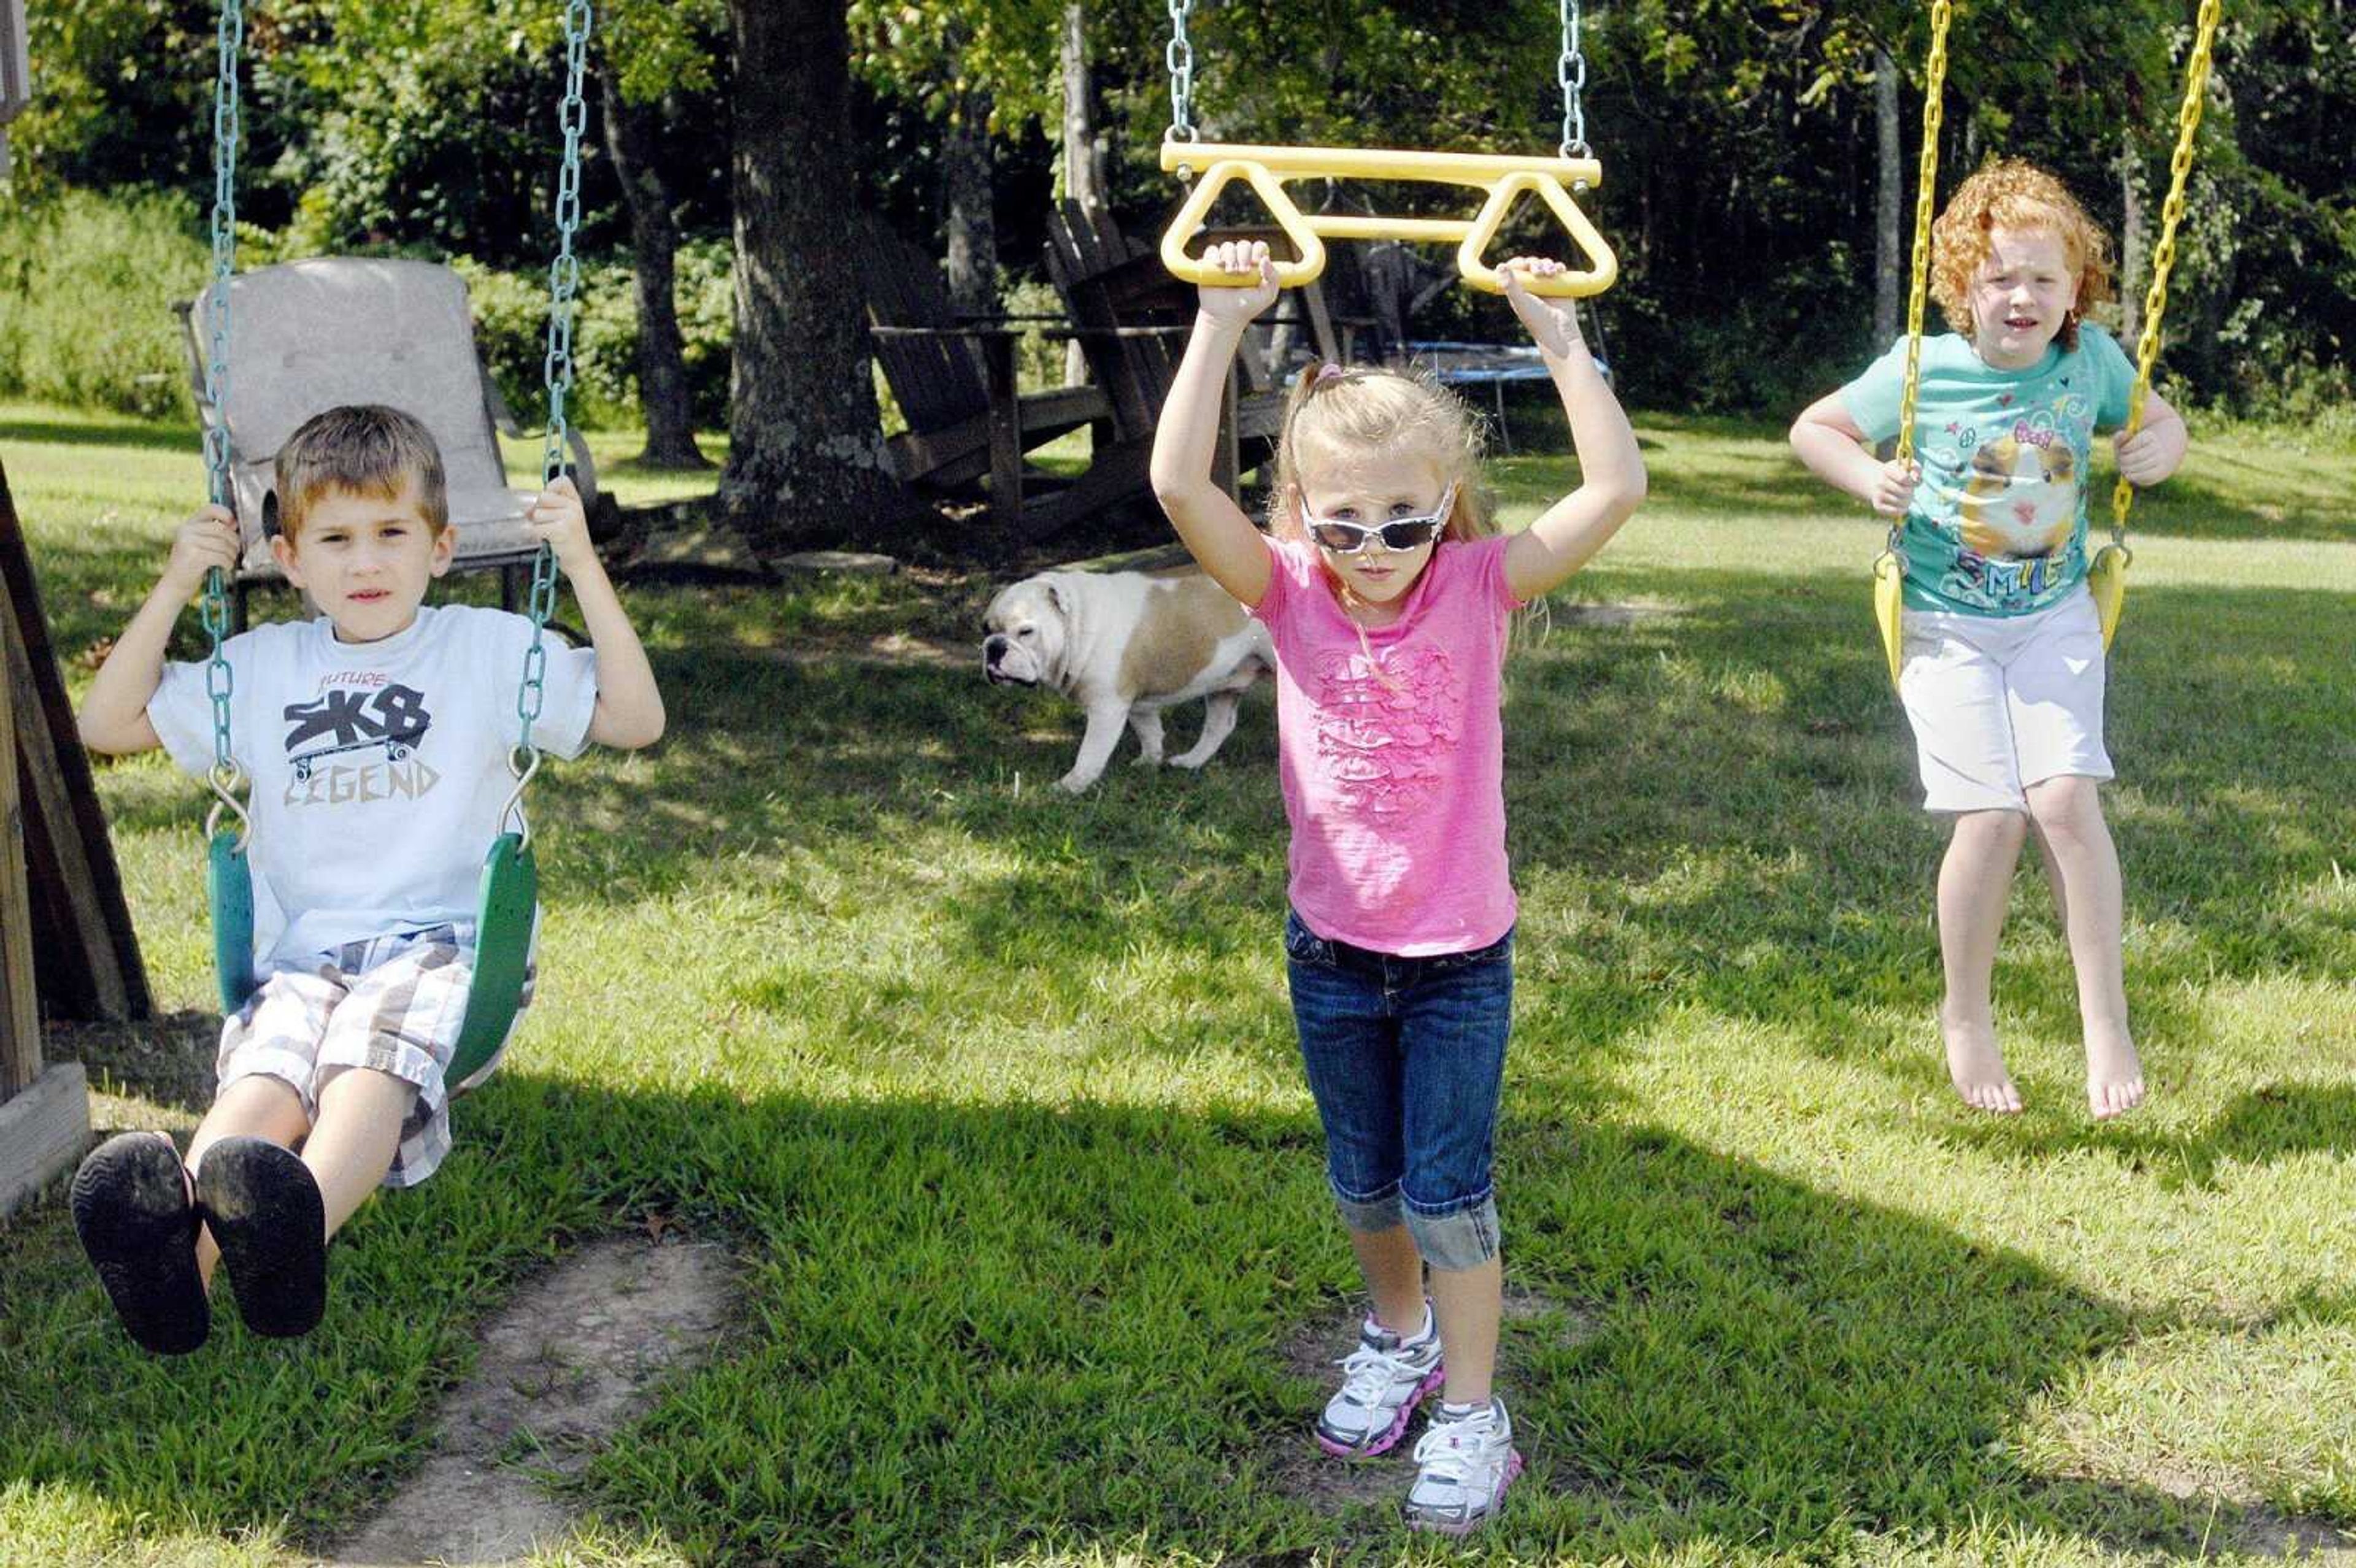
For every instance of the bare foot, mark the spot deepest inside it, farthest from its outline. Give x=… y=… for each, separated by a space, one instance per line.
x=1977 y=1066
x=2113 y=1075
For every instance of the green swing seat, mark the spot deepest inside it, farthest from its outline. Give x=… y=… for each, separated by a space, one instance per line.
x=507 y=908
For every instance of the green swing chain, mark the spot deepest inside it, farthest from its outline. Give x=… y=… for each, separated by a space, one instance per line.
x=226 y=774
x=563 y=284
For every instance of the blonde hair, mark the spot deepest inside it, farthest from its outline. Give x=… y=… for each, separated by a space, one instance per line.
x=1367 y=407
x=2009 y=194
x=365 y=449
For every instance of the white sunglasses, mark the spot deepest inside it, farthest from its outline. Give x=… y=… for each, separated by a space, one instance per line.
x=1399 y=535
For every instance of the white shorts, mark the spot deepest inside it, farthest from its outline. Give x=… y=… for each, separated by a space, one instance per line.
x=392 y=1004
x=1999 y=703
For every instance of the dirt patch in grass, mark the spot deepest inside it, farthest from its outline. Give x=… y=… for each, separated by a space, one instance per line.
x=1332 y=1487
x=2242 y=1523
x=574 y=1358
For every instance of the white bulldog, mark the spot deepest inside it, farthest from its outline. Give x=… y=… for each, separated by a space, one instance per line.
x=1126 y=644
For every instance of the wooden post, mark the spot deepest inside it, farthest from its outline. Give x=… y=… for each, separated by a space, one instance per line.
x=44 y=1115
x=1005 y=432
x=87 y=954
x=20 y=1019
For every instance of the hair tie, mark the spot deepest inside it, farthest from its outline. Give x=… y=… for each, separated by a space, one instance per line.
x=1328 y=371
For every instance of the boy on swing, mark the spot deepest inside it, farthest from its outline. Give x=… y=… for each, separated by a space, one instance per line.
x=376 y=738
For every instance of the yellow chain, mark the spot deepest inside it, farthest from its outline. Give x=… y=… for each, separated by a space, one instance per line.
x=2163 y=255
x=1926 y=178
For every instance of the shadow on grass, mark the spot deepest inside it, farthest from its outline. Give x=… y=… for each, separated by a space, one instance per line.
x=2261 y=1127
x=976 y=1329
x=146 y=435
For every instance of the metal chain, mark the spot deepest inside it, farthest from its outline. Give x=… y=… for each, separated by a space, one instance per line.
x=1926 y=180
x=563 y=284
x=2163 y=255
x=1570 y=75
x=221 y=680
x=1179 y=55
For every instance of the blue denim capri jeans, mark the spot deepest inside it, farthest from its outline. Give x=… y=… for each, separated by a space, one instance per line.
x=1407 y=1060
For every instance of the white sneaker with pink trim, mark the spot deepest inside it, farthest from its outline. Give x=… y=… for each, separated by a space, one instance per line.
x=1382 y=1382
x=1464 y=1461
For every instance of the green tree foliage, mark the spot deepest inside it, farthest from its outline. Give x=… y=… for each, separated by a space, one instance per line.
x=1736 y=137
x=122 y=95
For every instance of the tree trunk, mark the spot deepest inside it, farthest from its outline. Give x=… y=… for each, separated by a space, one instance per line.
x=1890 y=260
x=807 y=463
x=1084 y=151
x=972 y=261
x=632 y=141
x=2132 y=240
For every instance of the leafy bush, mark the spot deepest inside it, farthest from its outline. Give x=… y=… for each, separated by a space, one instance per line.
x=511 y=328
x=87 y=282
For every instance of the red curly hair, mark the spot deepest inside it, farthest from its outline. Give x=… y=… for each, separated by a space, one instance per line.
x=2009 y=194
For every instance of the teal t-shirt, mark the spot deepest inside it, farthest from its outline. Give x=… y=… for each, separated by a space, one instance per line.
x=1999 y=524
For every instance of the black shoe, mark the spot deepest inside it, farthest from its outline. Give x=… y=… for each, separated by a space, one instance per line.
x=268 y=1220
x=131 y=1209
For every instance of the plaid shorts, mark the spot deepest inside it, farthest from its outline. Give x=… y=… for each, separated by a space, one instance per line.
x=391 y=1003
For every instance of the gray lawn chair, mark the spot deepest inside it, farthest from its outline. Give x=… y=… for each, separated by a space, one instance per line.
x=308 y=336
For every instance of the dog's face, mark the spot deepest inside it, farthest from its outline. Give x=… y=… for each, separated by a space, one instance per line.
x=1025 y=629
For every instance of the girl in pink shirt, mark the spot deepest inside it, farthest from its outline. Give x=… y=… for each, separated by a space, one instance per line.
x=1388 y=593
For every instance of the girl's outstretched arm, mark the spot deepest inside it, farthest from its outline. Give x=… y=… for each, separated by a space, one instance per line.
x=1214 y=529
x=1611 y=469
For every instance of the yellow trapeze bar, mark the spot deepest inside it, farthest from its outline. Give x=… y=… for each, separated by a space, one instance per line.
x=1505 y=178
x=1379 y=163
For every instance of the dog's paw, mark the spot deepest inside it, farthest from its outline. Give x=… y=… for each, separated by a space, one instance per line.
x=1144 y=761
x=1076 y=782
x=1188 y=759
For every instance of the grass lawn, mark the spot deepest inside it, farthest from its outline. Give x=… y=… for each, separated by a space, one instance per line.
x=992 y=1093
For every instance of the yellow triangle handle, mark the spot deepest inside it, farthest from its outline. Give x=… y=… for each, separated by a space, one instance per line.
x=1292 y=275
x=1888 y=607
x=1603 y=268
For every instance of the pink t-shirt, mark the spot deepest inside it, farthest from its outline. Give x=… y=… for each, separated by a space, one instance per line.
x=1394 y=774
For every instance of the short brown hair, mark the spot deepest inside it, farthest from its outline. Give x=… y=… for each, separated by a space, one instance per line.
x=363 y=449
x=2009 y=194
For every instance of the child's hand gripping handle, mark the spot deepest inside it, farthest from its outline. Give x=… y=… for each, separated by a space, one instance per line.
x=1205 y=271
x=1567 y=282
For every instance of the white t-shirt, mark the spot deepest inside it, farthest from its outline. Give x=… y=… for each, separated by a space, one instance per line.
x=379 y=768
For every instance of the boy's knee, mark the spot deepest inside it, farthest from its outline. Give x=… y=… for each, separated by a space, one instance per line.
x=1457 y=1236
x=365 y=1090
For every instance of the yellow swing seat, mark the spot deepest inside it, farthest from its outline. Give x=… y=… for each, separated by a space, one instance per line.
x=2106 y=579
x=1889 y=600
